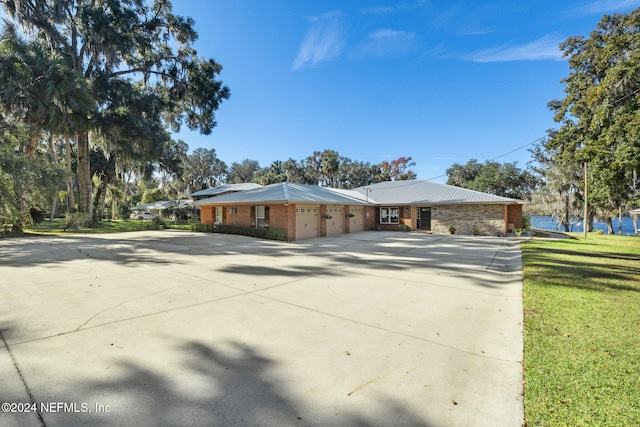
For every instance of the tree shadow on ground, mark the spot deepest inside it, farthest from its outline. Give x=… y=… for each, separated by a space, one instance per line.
x=613 y=271
x=463 y=257
x=229 y=384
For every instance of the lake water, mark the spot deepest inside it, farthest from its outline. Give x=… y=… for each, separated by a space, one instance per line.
x=546 y=222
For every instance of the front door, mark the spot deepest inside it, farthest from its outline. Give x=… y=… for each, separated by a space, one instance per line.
x=424 y=218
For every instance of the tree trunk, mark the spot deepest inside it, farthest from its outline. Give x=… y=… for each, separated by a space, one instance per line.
x=84 y=173
x=609 y=225
x=104 y=199
x=54 y=159
x=54 y=208
x=565 y=213
x=96 y=202
x=620 y=220
x=71 y=199
x=590 y=221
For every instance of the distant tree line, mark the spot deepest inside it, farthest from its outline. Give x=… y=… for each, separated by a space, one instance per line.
x=505 y=180
x=325 y=168
x=182 y=173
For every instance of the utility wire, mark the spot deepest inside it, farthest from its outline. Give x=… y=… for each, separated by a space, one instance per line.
x=502 y=155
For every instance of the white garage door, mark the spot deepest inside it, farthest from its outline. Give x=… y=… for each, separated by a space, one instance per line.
x=307 y=221
x=335 y=224
x=356 y=219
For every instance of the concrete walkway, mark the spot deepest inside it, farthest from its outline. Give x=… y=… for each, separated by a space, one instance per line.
x=168 y=328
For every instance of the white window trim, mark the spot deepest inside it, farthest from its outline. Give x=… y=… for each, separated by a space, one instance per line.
x=258 y=218
x=387 y=215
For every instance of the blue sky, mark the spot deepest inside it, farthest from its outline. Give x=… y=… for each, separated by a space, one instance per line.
x=442 y=82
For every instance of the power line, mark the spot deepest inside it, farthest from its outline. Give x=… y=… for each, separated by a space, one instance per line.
x=502 y=155
x=519 y=148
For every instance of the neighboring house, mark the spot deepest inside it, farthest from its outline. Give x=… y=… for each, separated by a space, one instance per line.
x=306 y=211
x=634 y=214
x=159 y=206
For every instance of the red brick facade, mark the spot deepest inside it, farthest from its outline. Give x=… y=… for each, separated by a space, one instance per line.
x=514 y=215
x=467 y=219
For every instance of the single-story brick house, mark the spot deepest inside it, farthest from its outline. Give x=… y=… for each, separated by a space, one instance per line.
x=306 y=211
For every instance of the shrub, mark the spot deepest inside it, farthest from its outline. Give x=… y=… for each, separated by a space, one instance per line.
x=124 y=211
x=157 y=223
x=78 y=220
x=37 y=216
x=203 y=228
x=526 y=221
x=261 y=233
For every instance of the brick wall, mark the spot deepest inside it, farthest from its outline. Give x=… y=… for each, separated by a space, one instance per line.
x=206 y=214
x=514 y=215
x=488 y=219
x=283 y=217
x=280 y=216
x=243 y=216
x=369 y=218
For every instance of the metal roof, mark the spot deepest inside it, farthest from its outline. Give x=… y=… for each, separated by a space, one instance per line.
x=221 y=189
x=426 y=192
x=164 y=204
x=409 y=192
x=285 y=192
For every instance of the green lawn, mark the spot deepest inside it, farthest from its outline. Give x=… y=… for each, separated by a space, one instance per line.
x=116 y=226
x=582 y=331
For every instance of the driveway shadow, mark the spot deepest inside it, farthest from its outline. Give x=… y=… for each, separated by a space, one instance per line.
x=236 y=386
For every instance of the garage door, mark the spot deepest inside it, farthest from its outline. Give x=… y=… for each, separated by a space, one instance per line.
x=356 y=219
x=335 y=220
x=307 y=221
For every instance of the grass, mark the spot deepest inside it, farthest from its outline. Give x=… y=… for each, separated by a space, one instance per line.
x=115 y=226
x=582 y=331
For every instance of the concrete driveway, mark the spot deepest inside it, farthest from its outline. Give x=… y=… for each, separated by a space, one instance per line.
x=169 y=328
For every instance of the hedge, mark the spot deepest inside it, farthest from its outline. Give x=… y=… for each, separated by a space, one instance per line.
x=261 y=233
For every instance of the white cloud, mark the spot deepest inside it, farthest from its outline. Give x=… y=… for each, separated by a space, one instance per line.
x=385 y=42
x=545 y=48
x=400 y=7
x=395 y=35
x=324 y=40
x=607 y=6
x=379 y=10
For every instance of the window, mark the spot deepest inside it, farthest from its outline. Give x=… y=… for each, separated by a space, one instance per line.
x=219 y=215
x=260 y=216
x=389 y=215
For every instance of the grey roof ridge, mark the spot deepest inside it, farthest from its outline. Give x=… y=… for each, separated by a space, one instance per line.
x=287 y=195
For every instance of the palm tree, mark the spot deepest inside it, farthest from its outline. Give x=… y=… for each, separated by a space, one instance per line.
x=41 y=89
